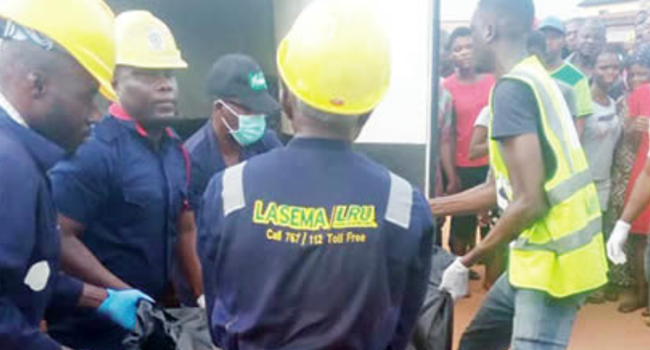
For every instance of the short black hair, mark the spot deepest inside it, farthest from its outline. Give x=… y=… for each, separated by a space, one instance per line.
x=460 y=32
x=537 y=39
x=614 y=49
x=518 y=16
x=640 y=56
x=596 y=23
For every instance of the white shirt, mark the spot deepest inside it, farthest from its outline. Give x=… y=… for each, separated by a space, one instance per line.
x=602 y=131
x=483 y=118
x=12 y=112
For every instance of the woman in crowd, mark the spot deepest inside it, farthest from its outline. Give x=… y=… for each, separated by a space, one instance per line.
x=629 y=160
x=603 y=130
x=470 y=92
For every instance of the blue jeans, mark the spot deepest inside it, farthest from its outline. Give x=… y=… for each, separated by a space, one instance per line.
x=521 y=319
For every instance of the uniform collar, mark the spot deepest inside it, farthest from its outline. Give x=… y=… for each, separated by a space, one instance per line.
x=12 y=112
x=323 y=144
x=44 y=152
x=119 y=113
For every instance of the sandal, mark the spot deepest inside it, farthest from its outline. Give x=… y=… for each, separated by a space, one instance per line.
x=630 y=306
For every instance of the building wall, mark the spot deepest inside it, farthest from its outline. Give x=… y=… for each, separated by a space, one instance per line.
x=618 y=17
x=620 y=34
x=449 y=26
x=396 y=133
x=286 y=11
x=591 y=11
x=206 y=30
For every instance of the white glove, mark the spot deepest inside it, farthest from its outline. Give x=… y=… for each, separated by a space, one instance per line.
x=201 y=301
x=617 y=241
x=455 y=280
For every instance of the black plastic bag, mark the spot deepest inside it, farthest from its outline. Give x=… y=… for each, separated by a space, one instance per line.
x=194 y=332
x=174 y=329
x=435 y=327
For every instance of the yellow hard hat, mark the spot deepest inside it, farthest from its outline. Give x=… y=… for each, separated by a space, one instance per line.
x=83 y=27
x=336 y=58
x=144 y=41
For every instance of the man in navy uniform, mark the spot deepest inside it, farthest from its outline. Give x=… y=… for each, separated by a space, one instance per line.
x=237 y=129
x=314 y=246
x=68 y=43
x=122 y=198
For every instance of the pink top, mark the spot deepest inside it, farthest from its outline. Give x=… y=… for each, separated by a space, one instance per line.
x=468 y=101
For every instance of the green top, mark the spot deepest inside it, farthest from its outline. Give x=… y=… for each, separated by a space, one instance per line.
x=572 y=76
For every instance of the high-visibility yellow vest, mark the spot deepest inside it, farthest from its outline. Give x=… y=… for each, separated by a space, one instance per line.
x=562 y=254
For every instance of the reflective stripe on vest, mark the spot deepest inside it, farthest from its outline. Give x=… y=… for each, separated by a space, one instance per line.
x=569 y=187
x=400 y=202
x=574 y=240
x=233 y=189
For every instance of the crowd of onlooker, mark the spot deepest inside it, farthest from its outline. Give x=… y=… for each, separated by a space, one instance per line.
x=606 y=86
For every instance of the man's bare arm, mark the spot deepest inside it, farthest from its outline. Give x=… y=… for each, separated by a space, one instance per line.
x=476 y=199
x=523 y=158
x=478 y=146
x=448 y=157
x=78 y=261
x=640 y=196
x=92 y=297
x=187 y=252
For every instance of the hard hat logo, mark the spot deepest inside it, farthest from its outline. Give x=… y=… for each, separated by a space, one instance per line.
x=16 y=32
x=257 y=81
x=145 y=41
x=84 y=30
x=156 y=42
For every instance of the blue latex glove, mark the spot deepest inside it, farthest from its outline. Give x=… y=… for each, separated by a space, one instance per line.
x=122 y=306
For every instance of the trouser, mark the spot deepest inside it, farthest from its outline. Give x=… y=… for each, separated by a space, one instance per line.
x=463 y=228
x=438 y=224
x=521 y=319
